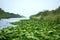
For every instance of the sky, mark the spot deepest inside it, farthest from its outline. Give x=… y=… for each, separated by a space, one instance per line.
x=28 y=7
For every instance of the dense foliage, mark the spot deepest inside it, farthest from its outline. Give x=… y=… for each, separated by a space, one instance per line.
x=4 y=14
x=47 y=15
x=34 y=29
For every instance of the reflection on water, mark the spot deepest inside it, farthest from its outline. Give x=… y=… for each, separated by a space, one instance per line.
x=6 y=22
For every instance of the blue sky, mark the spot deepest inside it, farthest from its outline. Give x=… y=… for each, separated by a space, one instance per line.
x=28 y=7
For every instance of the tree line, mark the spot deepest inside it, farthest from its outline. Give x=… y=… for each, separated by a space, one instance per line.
x=4 y=14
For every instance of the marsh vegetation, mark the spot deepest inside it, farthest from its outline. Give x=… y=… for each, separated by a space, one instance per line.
x=43 y=26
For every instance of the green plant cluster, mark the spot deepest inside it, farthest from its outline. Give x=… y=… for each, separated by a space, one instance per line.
x=32 y=30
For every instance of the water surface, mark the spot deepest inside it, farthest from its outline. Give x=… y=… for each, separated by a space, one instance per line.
x=6 y=22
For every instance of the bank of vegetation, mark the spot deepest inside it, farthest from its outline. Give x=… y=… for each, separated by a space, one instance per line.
x=4 y=14
x=43 y=26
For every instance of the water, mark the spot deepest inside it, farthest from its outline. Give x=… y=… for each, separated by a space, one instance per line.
x=6 y=22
